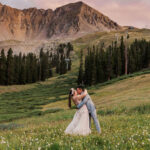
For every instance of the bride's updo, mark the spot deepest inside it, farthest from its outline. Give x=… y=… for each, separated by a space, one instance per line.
x=72 y=90
x=71 y=93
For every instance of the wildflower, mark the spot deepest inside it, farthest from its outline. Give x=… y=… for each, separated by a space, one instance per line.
x=71 y=148
x=39 y=148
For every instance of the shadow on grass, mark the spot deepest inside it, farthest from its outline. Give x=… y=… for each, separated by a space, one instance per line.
x=142 y=109
x=10 y=126
x=147 y=71
x=27 y=103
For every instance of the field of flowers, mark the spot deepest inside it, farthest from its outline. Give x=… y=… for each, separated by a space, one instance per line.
x=47 y=133
x=35 y=118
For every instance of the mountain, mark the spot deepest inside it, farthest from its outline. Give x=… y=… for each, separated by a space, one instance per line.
x=72 y=20
x=23 y=24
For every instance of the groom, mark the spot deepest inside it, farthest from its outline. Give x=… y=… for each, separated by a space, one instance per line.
x=90 y=106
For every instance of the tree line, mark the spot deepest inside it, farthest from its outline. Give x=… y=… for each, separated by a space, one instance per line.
x=102 y=64
x=30 y=68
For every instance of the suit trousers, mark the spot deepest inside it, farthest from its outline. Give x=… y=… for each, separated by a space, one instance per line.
x=93 y=115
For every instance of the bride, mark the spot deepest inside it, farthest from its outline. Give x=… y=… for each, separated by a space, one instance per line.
x=80 y=123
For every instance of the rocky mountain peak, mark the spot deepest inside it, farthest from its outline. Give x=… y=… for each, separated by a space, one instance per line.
x=71 y=20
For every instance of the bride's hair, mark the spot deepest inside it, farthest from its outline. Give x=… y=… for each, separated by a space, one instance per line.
x=71 y=92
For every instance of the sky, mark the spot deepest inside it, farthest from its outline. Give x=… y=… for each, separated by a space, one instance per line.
x=124 y=12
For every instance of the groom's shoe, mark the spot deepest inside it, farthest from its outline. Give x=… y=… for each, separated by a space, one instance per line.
x=99 y=132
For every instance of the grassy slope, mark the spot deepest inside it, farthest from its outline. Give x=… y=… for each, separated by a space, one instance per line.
x=123 y=108
x=109 y=37
x=119 y=130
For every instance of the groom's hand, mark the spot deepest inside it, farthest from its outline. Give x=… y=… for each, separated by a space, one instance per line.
x=85 y=91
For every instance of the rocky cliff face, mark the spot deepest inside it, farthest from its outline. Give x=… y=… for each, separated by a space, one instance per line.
x=23 y=24
x=79 y=18
x=74 y=19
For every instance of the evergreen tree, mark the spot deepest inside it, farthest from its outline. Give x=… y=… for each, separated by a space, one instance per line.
x=122 y=51
x=109 y=70
x=69 y=65
x=57 y=62
x=22 y=78
x=86 y=77
x=2 y=68
x=63 y=65
x=69 y=49
x=9 y=68
x=93 y=66
x=16 y=69
x=35 y=69
x=29 y=68
x=98 y=67
x=43 y=65
x=80 y=75
x=119 y=62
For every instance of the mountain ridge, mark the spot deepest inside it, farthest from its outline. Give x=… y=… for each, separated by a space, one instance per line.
x=70 y=20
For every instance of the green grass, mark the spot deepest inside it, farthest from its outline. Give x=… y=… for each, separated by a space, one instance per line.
x=142 y=109
x=123 y=77
x=123 y=106
x=109 y=37
x=35 y=116
x=29 y=102
x=118 y=132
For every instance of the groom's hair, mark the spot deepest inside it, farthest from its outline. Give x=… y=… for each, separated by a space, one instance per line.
x=81 y=87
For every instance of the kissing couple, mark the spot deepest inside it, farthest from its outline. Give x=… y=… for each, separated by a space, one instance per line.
x=81 y=123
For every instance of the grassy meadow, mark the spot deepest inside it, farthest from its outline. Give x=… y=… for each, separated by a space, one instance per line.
x=34 y=116
x=108 y=37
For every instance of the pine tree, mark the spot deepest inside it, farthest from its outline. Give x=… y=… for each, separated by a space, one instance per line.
x=43 y=65
x=105 y=65
x=147 y=63
x=35 y=69
x=69 y=65
x=126 y=56
x=69 y=49
x=16 y=69
x=122 y=50
x=63 y=65
x=109 y=71
x=10 y=68
x=56 y=62
x=132 y=59
x=50 y=72
x=80 y=75
x=93 y=66
x=22 y=79
x=2 y=68
x=119 y=63
x=86 y=76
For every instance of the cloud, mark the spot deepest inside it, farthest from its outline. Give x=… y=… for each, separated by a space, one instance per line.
x=125 y=12
x=135 y=13
x=20 y=4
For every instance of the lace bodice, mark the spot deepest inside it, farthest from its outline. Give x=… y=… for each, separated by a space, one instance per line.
x=76 y=100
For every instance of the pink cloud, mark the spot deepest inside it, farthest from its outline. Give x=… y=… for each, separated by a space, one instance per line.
x=136 y=14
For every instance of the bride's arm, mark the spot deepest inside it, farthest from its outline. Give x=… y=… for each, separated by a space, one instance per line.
x=80 y=97
x=77 y=99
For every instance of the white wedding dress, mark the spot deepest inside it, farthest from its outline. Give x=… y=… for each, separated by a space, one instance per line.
x=80 y=123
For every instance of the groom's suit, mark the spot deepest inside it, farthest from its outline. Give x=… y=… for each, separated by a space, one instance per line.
x=92 y=111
